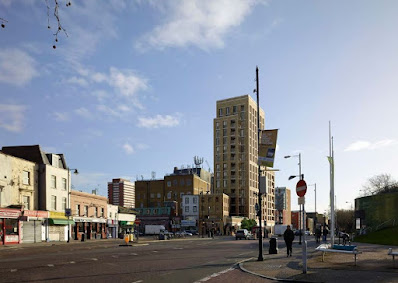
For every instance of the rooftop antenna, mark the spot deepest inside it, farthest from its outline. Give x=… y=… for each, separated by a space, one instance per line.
x=198 y=161
x=142 y=177
x=153 y=174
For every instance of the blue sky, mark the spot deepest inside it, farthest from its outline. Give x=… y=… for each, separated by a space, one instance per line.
x=133 y=88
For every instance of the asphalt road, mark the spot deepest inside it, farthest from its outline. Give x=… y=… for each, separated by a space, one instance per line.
x=188 y=260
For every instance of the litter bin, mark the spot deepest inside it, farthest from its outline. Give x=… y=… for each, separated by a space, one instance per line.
x=83 y=236
x=273 y=245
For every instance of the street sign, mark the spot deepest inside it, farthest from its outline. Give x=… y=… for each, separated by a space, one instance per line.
x=301 y=200
x=301 y=188
x=137 y=221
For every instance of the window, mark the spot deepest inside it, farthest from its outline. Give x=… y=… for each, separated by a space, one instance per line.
x=225 y=183
x=225 y=166
x=188 y=182
x=224 y=132
x=158 y=195
x=224 y=124
x=195 y=208
x=63 y=204
x=78 y=209
x=175 y=183
x=217 y=134
x=152 y=195
x=187 y=209
x=53 y=182
x=53 y=202
x=186 y=200
x=64 y=184
x=217 y=125
x=102 y=212
x=220 y=112
x=227 y=111
x=85 y=210
x=169 y=184
x=218 y=167
x=169 y=195
x=242 y=108
x=25 y=177
x=26 y=202
x=182 y=182
x=217 y=141
x=194 y=200
x=218 y=183
x=234 y=109
x=95 y=211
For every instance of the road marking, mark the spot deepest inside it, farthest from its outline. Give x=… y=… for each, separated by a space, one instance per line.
x=215 y=275
x=178 y=248
x=14 y=270
x=115 y=256
x=154 y=251
x=140 y=245
x=95 y=259
x=72 y=262
x=138 y=281
x=134 y=254
x=50 y=265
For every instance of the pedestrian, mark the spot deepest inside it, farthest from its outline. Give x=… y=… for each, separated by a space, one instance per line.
x=318 y=234
x=345 y=237
x=325 y=233
x=288 y=236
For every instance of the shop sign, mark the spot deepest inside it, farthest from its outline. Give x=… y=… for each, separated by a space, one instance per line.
x=9 y=213
x=78 y=219
x=57 y=215
x=188 y=223
x=12 y=238
x=98 y=220
x=36 y=213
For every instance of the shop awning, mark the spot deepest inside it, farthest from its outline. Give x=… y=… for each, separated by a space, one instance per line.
x=60 y=221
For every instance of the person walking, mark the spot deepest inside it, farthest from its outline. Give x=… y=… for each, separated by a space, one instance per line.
x=325 y=233
x=288 y=236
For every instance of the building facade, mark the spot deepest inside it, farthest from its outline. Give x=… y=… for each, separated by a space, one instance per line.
x=283 y=205
x=89 y=215
x=112 y=221
x=236 y=152
x=214 y=213
x=121 y=192
x=53 y=188
x=190 y=212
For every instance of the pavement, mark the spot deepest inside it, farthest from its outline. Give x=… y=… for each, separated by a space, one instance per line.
x=373 y=265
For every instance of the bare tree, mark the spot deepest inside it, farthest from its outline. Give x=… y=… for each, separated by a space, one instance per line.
x=55 y=11
x=345 y=220
x=379 y=184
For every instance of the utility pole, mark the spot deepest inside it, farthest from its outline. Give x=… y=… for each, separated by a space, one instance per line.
x=260 y=238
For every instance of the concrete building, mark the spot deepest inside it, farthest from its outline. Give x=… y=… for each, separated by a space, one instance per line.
x=283 y=205
x=190 y=212
x=112 y=221
x=236 y=152
x=19 y=189
x=89 y=215
x=121 y=192
x=54 y=187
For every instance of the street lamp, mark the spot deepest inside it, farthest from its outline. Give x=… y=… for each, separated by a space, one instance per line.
x=315 y=201
x=68 y=211
x=301 y=176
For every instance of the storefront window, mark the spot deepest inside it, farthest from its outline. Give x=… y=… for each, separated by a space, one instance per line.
x=11 y=226
x=81 y=227
x=94 y=227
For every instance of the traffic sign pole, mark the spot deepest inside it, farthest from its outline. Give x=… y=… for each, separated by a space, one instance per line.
x=301 y=189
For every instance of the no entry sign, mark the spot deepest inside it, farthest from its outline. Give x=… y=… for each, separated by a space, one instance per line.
x=301 y=188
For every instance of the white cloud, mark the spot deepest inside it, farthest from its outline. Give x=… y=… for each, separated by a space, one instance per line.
x=61 y=116
x=201 y=23
x=366 y=145
x=126 y=84
x=158 y=121
x=12 y=117
x=78 y=81
x=84 y=112
x=16 y=67
x=128 y=148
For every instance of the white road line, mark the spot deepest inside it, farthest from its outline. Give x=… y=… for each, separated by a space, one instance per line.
x=154 y=251
x=95 y=259
x=178 y=248
x=134 y=254
x=50 y=265
x=138 y=281
x=72 y=262
x=14 y=270
x=215 y=275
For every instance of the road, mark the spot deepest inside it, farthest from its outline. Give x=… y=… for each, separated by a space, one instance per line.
x=188 y=260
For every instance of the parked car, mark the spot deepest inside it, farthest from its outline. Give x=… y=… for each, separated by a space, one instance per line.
x=242 y=234
x=186 y=233
x=193 y=232
x=297 y=233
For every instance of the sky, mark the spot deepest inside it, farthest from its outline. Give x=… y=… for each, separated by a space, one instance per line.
x=132 y=88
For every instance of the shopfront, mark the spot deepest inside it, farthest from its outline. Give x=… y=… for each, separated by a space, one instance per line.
x=10 y=226
x=91 y=228
x=33 y=225
x=57 y=228
x=112 y=228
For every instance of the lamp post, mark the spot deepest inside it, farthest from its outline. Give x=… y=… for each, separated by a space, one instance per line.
x=68 y=212
x=301 y=176
x=315 y=202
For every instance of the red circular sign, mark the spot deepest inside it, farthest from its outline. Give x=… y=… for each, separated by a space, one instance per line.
x=137 y=221
x=301 y=188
